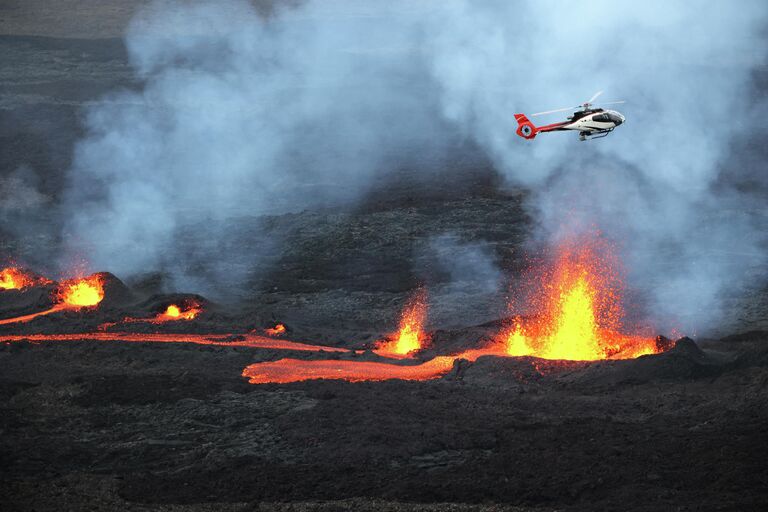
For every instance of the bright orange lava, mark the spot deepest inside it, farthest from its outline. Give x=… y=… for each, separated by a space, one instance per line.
x=72 y=294
x=14 y=278
x=277 y=330
x=223 y=340
x=174 y=312
x=32 y=316
x=284 y=371
x=578 y=301
x=580 y=304
x=83 y=292
x=410 y=337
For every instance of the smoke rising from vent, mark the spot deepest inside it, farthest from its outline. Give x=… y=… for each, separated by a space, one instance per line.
x=241 y=115
x=245 y=115
x=463 y=278
x=650 y=184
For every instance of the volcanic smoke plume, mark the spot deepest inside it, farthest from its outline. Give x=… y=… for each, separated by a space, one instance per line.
x=236 y=109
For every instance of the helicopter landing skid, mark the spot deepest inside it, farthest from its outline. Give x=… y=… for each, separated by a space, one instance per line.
x=594 y=135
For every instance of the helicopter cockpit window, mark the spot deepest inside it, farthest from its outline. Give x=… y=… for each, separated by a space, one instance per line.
x=601 y=118
x=616 y=119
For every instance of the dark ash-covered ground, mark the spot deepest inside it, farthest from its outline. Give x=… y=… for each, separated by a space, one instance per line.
x=111 y=426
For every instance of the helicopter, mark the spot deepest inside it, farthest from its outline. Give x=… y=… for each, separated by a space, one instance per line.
x=590 y=122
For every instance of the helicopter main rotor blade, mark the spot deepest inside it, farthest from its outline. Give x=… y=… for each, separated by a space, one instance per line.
x=593 y=98
x=612 y=102
x=554 y=111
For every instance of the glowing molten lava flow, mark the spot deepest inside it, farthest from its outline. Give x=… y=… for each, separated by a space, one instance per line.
x=277 y=330
x=224 y=340
x=14 y=278
x=580 y=299
x=174 y=312
x=284 y=371
x=410 y=337
x=83 y=292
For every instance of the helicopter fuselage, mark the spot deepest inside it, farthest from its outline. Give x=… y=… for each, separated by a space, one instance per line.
x=589 y=122
x=593 y=122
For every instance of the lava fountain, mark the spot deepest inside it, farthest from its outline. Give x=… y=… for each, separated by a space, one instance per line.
x=580 y=309
x=410 y=337
x=82 y=292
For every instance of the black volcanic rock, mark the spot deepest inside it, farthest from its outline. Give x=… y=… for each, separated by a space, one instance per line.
x=116 y=294
x=688 y=348
x=160 y=302
x=26 y=301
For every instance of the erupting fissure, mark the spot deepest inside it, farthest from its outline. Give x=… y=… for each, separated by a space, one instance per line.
x=410 y=337
x=14 y=278
x=580 y=310
x=174 y=312
x=577 y=300
x=72 y=294
x=82 y=292
x=278 y=330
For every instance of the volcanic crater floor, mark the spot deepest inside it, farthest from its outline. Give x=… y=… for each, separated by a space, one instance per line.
x=107 y=424
x=174 y=426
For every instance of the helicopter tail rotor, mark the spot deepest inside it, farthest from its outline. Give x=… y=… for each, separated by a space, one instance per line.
x=525 y=128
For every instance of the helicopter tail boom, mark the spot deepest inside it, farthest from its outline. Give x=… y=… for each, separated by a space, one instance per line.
x=525 y=128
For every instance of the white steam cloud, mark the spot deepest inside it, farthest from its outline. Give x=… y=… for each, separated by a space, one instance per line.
x=242 y=114
x=685 y=69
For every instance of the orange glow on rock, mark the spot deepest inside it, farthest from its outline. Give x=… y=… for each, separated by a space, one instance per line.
x=277 y=330
x=83 y=292
x=174 y=312
x=410 y=337
x=12 y=278
x=221 y=340
x=15 y=278
x=581 y=310
x=32 y=316
x=284 y=371
x=72 y=294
